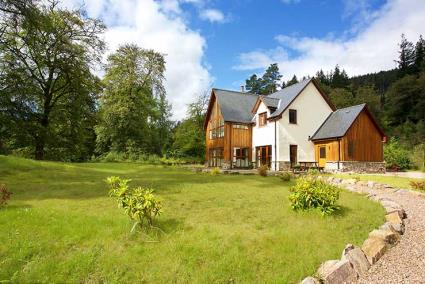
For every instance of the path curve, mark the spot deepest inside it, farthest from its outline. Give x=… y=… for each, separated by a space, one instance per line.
x=404 y=263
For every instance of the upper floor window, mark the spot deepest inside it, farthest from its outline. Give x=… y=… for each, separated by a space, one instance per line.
x=293 y=116
x=216 y=129
x=262 y=119
x=240 y=126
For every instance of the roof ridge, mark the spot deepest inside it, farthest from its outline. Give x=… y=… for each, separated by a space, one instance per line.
x=237 y=92
x=344 y=108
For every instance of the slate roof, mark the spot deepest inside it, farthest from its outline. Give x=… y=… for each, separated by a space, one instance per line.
x=271 y=102
x=287 y=95
x=338 y=122
x=236 y=106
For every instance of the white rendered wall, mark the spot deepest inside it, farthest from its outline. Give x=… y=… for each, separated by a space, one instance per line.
x=263 y=135
x=312 y=110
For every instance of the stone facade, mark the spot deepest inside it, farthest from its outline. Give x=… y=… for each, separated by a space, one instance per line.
x=284 y=166
x=357 y=167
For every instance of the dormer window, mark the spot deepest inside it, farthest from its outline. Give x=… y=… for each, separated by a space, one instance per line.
x=293 y=116
x=262 y=119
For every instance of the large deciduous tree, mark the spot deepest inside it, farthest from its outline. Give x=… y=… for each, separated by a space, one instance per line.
x=133 y=109
x=47 y=87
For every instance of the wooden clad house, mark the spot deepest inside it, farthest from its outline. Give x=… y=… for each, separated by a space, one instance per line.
x=349 y=135
x=229 y=129
x=297 y=125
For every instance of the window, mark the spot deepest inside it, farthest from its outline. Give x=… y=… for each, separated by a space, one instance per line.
x=293 y=116
x=240 y=126
x=216 y=129
x=215 y=157
x=262 y=119
x=322 y=152
x=350 y=149
x=240 y=157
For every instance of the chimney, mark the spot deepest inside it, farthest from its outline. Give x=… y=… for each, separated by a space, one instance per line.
x=242 y=89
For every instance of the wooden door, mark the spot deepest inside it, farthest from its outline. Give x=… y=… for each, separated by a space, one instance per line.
x=264 y=155
x=322 y=155
x=293 y=154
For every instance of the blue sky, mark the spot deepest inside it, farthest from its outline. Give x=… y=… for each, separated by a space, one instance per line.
x=220 y=43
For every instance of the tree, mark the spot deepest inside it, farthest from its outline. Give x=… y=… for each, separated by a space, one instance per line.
x=420 y=53
x=293 y=81
x=254 y=84
x=189 y=135
x=339 y=78
x=406 y=54
x=267 y=84
x=341 y=97
x=133 y=109
x=368 y=95
x=46 y=57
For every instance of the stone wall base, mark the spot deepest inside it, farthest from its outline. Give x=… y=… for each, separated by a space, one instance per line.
x=357 y=167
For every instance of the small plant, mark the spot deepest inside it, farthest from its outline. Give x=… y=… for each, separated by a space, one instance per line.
x=139 y=203
x=285 y=176
x=262 y=170
x=313 y=172
x=309 y=193
x=215 y=172
x=4 y=195
x=418 y=185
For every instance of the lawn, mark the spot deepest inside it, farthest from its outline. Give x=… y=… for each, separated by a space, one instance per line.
x=61 y=226
x=399 y=182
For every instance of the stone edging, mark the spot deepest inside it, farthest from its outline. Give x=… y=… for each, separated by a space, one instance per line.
x=356 y=261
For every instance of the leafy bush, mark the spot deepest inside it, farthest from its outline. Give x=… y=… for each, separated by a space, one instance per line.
x=4 y=195
x=262 y=170
x=215 y=172
x=309 y=193
x=396 y=156
x=313 y=172
x=139 y=203
x=418 y=185
x=285 y=176
x=418 y=156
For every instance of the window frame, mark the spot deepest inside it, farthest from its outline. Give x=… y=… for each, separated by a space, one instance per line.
x=262 y=119
x=294 y=116
x=320 y=152
x=216 y=129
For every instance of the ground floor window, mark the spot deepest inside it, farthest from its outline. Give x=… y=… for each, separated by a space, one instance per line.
x=215 y=157
x=263 y=155
x=240 y=157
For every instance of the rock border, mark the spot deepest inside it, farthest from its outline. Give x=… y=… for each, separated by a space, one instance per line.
x=356 y=261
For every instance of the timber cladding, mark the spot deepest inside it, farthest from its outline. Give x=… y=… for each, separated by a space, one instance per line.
x=361 y=142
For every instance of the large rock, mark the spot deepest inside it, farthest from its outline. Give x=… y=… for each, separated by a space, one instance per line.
x=371 y=183
x=349 y=181
x=388 y=235
x=340 y=272
x=310 y=280
x=358 y=260
x=347 y=248
x=374 y=249
x=326 y=267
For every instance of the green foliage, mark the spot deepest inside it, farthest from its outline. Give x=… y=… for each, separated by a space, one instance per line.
x=418 y=156
x=215 y=172
x=133 y=118
x=138 y=203
x=263 y=170
x=285 y=176
x=418 y=185
x=309 y=193
x=265 y=85
x=395 y=155
x=313 y=172
x=4 y=195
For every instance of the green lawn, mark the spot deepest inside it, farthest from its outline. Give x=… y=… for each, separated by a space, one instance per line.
x=399 y=182
x=61 y=227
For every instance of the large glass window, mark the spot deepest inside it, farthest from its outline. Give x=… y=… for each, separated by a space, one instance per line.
x=215 y=157
x=216 y=129
x=240 y=157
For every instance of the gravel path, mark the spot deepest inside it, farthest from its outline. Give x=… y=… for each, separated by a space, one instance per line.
x=404 y=263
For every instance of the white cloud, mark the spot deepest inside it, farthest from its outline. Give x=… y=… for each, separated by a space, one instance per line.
x=212 y=15
x=157 y=25
x=372 y=48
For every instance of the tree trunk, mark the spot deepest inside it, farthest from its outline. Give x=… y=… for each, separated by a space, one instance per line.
x=40 y=141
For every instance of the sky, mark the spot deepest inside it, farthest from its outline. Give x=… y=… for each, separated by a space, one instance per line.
x=220 y=43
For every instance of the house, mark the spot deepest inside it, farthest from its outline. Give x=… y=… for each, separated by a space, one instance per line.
x=295 y=125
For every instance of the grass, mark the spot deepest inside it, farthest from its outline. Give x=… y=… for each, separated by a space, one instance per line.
x=398 y=182
x=60 y=226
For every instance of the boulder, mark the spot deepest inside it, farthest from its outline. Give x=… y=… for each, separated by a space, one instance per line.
x=394 y=217
x=347 y=248
x=310 y=280
x=340 y=272
x=325 y=268
x=358 y=260
x=374 y=249
x=389 y=236
x=371 y=183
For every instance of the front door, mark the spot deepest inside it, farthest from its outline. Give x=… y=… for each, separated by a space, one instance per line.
x=322 y=156
x=264 y=155
x=293 y=154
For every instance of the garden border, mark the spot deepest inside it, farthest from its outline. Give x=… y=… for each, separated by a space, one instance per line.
x=356 y=261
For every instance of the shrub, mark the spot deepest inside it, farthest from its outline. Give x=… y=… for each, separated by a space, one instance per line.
x=396 y=156
x=139 y=203
x=215 y=172
x=285 y=176
x=309 y=193
x=418 y=156
x=4 y=195
x=313 y=172
x=418 y=185
x=262 y=170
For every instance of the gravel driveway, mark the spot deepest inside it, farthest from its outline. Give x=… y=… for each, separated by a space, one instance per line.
x=404 y=263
